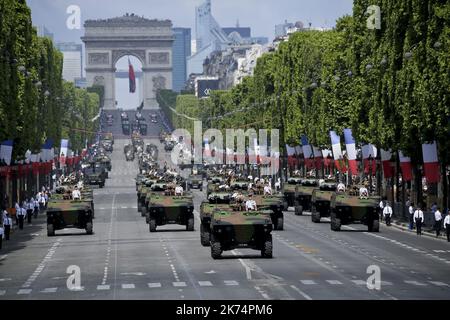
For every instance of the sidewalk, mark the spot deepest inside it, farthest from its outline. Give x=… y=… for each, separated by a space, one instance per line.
x=426 y=231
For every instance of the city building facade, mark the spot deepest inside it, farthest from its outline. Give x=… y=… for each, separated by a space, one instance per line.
x=181 y=52
x=73 y=60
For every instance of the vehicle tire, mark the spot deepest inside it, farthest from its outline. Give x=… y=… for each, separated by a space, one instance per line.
x=139 y=207
x=335 y=223
x=315 y=217
x=89 y=228
x=143 y=211
x=152 y=225
x=50 y=230
x=298 y=210
x=190 y=224
x=280 y=224
x=201 y=189
x=267 y=250
x=375 y=226
x=204 y=236
x=216 y=250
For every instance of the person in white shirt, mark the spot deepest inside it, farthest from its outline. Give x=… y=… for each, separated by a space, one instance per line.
x=30 y=208
x=278 y=184
x=42 y=202
x=447 y=225
x=411 y=216
x=418 y=218
x=76 y=194
x=387 y=213
x=7 y=223
x=267 y=190
x=250 y=204
x=341 y=187
x=21 y=216
x=438 y=221
x=178 y=190
x=36 y=208
x=1 y=235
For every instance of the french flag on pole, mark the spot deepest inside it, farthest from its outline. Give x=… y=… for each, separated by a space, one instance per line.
x=64 y=151
x=132 y=77
x=386 y=162
x=291 y=155
x=369 y=150
x=337 y=151
x=6 y=151
x=317 y=158
x=431 y=163
x=307 y=153
x=405 y=165
x=351 y=151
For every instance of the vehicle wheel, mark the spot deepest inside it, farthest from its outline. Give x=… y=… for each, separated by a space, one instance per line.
x=375 y=226
x=280 y=224
x=152 y=225
x=298 y=210
x=50 y=230
x=204 y=236
x=143 y=211
x=190 y=225
x=201 y=189
x=139 y=207
x=267 y=251
x=216 y=250
x=315 y=217
x=335 y=223
x=89 y=228
x=102 y=185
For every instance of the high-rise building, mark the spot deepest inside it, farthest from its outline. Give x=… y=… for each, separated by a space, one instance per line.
x=42 y=31
x=72 y=65
x=181 y=50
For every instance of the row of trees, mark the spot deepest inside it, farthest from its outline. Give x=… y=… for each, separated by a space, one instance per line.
x=35 y=103
x=391 y=85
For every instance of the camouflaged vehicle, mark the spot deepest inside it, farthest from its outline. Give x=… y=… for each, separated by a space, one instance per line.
x=303 y=194
x=62 y=213
x=109 y=137
x=240 y=229
x=94 y=177
x=321 y=200
x=275 y=204
x=105 y=161
x=143 y=189
x=140 y=178
x=153 y=187
x=170 y=209
x=288 y=190
x=348 y=208
x=195 y=181
x=218 y=199
x=126 y=127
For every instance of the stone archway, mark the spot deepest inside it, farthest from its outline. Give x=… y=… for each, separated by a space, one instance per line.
x=106 y=41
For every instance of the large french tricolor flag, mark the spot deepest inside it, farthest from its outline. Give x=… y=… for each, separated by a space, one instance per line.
x=337 y=151
x=430 y=162
x=6 y=151
x=386 y=162
x=351 y=151
x=307 y=153
x=369 y=150
x=46 y=150
x=64 y=150
x=405 y=164
x=291 y=155
x=131 y=76
x=327 y=155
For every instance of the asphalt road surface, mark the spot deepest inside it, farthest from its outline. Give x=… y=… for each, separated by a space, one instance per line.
x=123 y=260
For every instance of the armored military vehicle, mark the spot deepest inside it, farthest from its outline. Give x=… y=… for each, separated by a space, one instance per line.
x=303 y=193
x=288 y=190
x=169 y=145
x=129 y=156
x=348 y=208
x=321 y=200
x=168 y=208
x=93 y=176
x=240 y=229
x=126 y=127
x=218 y=199
x=195 y=181
x=105 y=161
x=274 y=204
x=67 y=213
x=142 y=128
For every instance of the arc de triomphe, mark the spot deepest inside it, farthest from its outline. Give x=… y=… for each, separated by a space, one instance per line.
x=106 y=41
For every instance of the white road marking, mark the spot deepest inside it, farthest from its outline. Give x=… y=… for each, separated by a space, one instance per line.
x=438 y=283
x=439 y=251
x=128 y=286
x=359 y=282
x=210 y=272
x=24 y=291
x=154 y=285
x=304 y=295
x=416 y=283
x=205 y=284
x=133 y=273
x=247 y=268
x=231 y=283
x=179 y=284
x=49 y=290
x=386 y=283
x=334 y=282
x=103 y=287
x=5 y=279
x=308 y=282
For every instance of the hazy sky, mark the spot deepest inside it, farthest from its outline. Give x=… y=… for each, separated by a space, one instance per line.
x=260 y=15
